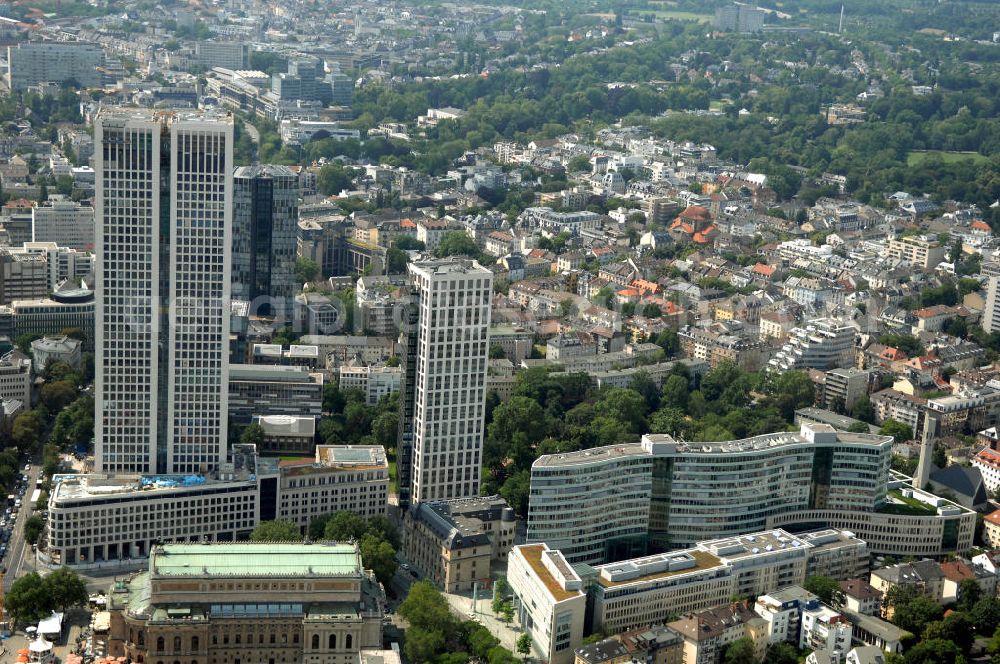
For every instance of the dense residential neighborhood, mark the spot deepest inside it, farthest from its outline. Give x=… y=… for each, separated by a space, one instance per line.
x=658 y=332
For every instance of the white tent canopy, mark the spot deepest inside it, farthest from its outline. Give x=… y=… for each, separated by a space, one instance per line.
x=51 y=625
x=40 y=645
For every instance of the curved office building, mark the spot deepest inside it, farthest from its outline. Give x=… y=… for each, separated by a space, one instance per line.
x=609 y=503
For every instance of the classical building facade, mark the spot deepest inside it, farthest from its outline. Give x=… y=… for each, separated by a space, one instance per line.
x=454 y=542
x=246 y=603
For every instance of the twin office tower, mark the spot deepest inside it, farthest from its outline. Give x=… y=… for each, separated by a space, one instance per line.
x=165 y=202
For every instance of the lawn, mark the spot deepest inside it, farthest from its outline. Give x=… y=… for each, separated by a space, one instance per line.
x=393 y=487
x=914 y=157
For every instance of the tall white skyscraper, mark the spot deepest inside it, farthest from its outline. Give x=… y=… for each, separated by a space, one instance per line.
x=991 y=313
x=164 y=224
x=445 y=393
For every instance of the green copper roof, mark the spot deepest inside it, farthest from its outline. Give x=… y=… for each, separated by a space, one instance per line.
x=256 y=559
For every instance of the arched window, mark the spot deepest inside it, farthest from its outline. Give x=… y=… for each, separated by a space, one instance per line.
x=347 y=642
x=333 y=642
x=177 y=646
x=315 y=642
x=194 y=644
x=160 y=644
x=142 y=638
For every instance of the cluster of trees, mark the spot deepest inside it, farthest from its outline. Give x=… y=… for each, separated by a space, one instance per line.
x=941 y=637
x=378 y=540
x=62 y=405
x=435 y=635
x=33 y=597
x=501 y=605
x=348 y=419
x=742 y=651
x=551 y=414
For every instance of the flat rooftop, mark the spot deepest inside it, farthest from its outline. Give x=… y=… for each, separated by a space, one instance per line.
x=338 y=457
x=702 y=561
x=532 y=554
x=754 y=544
x=658 y=444
x=255 y=559
x=94 y=485
x=593 y=455
x=350 y=454
x=273 y=372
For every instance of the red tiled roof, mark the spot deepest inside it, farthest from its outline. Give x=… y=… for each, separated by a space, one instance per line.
x=993 y=517
x=990 y=458
x=696 y=212
x=892 y=354
x=957 y=571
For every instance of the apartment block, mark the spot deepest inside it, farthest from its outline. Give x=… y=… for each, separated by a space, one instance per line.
x=16 y=377
x=844 y=386
x=445 y=370
x=707 y=633
x=23 y=276
x=374 y=382
x=922 y=252
x=657 y=644
x=795 y=615
x=32 y=63
x=824 y=343
x=891 y=404
x=65 y=223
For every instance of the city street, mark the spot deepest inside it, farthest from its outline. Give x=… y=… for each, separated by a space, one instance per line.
x=17 y=549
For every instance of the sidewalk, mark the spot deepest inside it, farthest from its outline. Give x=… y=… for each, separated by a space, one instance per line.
x=507 y=632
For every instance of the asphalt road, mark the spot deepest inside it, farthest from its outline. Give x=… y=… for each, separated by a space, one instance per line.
x=17 y=549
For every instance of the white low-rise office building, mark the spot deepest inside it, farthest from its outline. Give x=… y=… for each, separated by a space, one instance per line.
x=648 y=590
x=552 y=603
x=109 y=519
x=352 y=478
